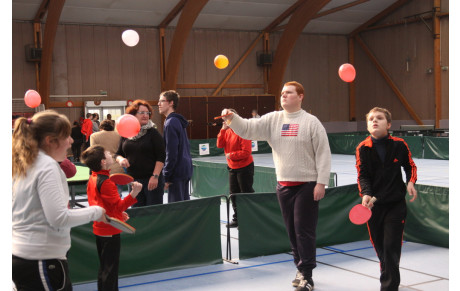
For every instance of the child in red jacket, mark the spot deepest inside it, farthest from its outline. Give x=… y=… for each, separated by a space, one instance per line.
x=103 y=192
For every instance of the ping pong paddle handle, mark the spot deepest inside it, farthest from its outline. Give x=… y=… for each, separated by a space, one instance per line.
x=217 y=117
x=372 y=201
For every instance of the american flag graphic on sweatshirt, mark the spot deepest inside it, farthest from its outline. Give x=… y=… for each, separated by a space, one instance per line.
x=289 y=130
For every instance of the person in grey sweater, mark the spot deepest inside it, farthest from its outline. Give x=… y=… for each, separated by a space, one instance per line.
x=302 y=160
x=41 y=220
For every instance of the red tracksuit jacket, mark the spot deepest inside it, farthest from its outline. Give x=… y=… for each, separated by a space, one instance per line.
x=240 y=149
x=109 y=199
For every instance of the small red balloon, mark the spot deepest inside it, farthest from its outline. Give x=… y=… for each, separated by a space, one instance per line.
x=127 y=125
x=347 y=72
x=32 y=98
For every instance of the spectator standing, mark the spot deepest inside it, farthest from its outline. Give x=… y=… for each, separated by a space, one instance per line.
x=144 y=155
x=178 y=164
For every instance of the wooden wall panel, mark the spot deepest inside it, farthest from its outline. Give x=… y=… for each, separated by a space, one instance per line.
x=74 y=70
x=215 y=107
x=101 y=60
x=91 y=58
x=114 y=55
x=59 y=81
x=88 y=70
x=140 y=69
x=445 y=63
x=23 y=73
x=199 y=117
x=201 y=71
x=338 y=101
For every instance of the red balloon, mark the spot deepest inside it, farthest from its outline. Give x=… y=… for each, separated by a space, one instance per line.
x=32 y=98
x=347 y=72
x=128 y=126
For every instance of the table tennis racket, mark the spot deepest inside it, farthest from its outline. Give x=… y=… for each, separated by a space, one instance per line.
x=360 y=214
x=218 y=117
x=121 y=179
x=121 y=225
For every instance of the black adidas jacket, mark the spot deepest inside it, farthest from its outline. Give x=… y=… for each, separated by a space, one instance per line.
x=384 y=180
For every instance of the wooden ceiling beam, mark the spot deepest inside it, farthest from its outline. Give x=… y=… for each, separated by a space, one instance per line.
x=294 y=28
x=389 y=81
x=172 y=14
x=339 y=8
x=273 y=26
x=379 y=16
x=52 y=20
x=188 y=16
x=41 y=11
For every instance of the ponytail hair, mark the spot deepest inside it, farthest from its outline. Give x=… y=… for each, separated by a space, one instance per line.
x=29 y=136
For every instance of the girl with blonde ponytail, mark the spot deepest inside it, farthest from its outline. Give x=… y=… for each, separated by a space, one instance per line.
x=41 y=217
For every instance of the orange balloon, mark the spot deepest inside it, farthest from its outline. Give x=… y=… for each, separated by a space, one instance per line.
x=221 y=61
x=127 y=125
x=347 y=72
x=32 y=98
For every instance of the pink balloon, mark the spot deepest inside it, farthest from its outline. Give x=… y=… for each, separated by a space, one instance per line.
x=347 y=72
x=32 y=98
x=127 y=125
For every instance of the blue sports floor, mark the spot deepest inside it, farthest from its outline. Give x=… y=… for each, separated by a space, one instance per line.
x=353 y=266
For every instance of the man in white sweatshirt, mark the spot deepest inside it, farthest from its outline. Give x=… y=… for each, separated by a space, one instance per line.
x=302 y=160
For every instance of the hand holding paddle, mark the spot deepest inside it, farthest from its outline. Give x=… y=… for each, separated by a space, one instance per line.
x=123 y=226
x=361 y=213
x=136 y=188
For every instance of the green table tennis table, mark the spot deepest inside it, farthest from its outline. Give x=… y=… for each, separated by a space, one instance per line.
x=77 y=186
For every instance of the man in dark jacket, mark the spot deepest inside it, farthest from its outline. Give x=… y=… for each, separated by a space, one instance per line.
x=178 y=165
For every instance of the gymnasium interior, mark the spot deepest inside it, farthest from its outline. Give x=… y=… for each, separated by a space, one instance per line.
x=73 y=54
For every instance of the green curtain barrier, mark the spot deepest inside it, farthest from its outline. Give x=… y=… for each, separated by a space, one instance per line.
x=428 y=216
x=262 y=148
x=262 y=231
x=415 y=144
x=436 y=148
x=168 y=237
x=344 y=144
x=211 y=179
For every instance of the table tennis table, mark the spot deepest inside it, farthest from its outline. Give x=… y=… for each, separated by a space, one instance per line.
x=77 y=186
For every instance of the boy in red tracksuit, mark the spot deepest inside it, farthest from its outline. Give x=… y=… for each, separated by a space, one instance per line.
x=379 y=159
x=238 y=152
x=103 y=192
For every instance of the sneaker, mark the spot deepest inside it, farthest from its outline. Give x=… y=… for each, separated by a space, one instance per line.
x=305 y=284
x=298 y=277
x=233 y=224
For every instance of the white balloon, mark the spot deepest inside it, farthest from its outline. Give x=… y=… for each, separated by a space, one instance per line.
x=130 y=37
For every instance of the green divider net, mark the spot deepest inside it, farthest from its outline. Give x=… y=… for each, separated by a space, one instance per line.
x=344 y=144
x=211 y=179
x=262 y=147
x=168 y=237
x=436 y=148
x=262 y=231
x=428 y=216
x=415 y=144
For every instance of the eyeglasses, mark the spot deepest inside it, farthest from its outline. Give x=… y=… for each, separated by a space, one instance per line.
x=144 y=112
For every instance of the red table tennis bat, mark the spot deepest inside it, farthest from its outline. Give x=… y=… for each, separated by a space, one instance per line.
x=121 y=225
x=121 y=179
x=217 y=117
x=360 y=214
